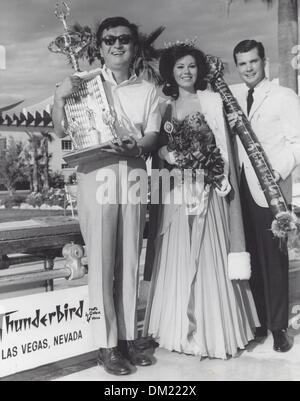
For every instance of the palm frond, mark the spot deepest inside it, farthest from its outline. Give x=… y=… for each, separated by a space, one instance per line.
x=146 y=61
x=91 y=52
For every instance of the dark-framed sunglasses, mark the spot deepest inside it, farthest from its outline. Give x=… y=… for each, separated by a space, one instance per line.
x=110 y=40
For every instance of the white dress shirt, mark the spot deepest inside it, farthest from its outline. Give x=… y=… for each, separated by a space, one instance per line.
x=136 y=104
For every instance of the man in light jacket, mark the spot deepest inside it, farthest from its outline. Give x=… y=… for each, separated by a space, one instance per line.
x=274 y=114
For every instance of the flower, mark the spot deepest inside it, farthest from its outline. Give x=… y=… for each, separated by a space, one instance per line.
x=284 y=223
x=194 y=146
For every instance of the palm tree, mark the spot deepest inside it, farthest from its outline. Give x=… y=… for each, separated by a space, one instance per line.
x=287 y=39
x=46 y=139
x=13 y=169
x=37 y=154
x=33 y=155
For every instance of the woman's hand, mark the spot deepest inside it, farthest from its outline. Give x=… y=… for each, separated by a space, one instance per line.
x=223 y=187
x=233 y=118
x=277 y=176
x=166 y=155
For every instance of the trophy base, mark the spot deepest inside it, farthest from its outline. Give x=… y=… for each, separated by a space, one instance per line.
x=90 y=154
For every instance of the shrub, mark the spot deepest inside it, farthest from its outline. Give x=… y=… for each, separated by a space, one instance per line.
x=34 y=199
x=56 y=179
x=51 y=197
x=72 y=179
x=15 y=200
x=54 y=197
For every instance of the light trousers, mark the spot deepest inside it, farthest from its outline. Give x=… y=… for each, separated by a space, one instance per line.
x=113 y=234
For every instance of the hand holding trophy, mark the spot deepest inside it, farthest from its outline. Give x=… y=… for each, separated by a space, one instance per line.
x=90 y=120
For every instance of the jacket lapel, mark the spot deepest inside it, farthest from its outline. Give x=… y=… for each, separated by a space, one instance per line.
x=242 y=99
x=259 y=99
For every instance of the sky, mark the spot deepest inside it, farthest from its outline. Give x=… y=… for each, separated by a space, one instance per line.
x=28 y=26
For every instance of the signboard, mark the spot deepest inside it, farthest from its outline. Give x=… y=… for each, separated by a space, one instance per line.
x=39 y=329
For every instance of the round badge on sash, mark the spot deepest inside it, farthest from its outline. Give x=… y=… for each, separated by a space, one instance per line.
x=169 y=127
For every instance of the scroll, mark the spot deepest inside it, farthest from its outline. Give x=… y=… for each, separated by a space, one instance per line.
x=285 y=221
x=90 y=119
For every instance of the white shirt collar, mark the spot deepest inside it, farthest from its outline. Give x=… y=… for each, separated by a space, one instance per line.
x=109 y=76
x=259 y=86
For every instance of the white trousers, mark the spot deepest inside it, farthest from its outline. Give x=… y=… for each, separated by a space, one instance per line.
x=113 y=234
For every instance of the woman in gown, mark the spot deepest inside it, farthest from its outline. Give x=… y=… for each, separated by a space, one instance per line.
x=193 y=306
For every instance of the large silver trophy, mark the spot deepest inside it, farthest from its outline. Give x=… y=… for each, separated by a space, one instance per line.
x=90 y=119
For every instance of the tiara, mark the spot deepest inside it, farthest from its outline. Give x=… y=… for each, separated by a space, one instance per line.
x=186 y=42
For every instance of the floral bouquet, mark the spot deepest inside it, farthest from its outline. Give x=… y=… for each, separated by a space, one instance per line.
x=194 y=147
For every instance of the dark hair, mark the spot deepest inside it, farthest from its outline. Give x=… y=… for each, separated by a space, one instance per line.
x=113 y=22
x=246 y=46
x=168 y=60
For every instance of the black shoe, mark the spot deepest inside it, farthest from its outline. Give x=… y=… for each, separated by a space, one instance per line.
x=145 y=343
x=282 y=342
x=113 y=362
x=134 y=354
x=260 y=333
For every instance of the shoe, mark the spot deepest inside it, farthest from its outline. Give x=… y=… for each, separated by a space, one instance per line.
x=260 y=333
x=145 y=343
x=113 y=362
x=282 y=342
x=131 y=352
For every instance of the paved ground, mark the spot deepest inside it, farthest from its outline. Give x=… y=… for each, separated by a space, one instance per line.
x=258 y=363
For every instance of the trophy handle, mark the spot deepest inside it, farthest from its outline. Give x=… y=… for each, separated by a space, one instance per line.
x=53 y=47
x=71 y=43
x=62 y=13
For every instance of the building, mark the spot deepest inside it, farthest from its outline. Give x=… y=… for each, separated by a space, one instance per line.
x=34 y=120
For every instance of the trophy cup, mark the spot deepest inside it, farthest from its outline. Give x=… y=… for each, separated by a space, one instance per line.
x=90 y=119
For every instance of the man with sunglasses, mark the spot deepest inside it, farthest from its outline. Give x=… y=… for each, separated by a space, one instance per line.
x=113 y=233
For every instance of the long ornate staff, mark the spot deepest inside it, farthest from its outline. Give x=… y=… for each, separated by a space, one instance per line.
x=285 y=221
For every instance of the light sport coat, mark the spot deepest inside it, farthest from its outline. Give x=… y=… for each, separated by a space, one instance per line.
x=275 y=119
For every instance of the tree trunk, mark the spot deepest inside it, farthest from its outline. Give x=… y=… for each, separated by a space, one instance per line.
x=11 y=190
x=46 y=170
x=31 y=183
x=287 y=39
x=35 y=176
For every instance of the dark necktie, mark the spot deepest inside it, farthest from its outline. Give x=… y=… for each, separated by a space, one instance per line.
x=250 y=100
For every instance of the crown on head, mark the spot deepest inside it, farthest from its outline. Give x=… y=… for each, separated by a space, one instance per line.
x=186 y=42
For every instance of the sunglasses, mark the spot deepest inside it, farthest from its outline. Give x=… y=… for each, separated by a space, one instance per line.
x=110 y=40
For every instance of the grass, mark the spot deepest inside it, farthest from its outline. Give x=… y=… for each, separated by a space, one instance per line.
x=20 y=215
